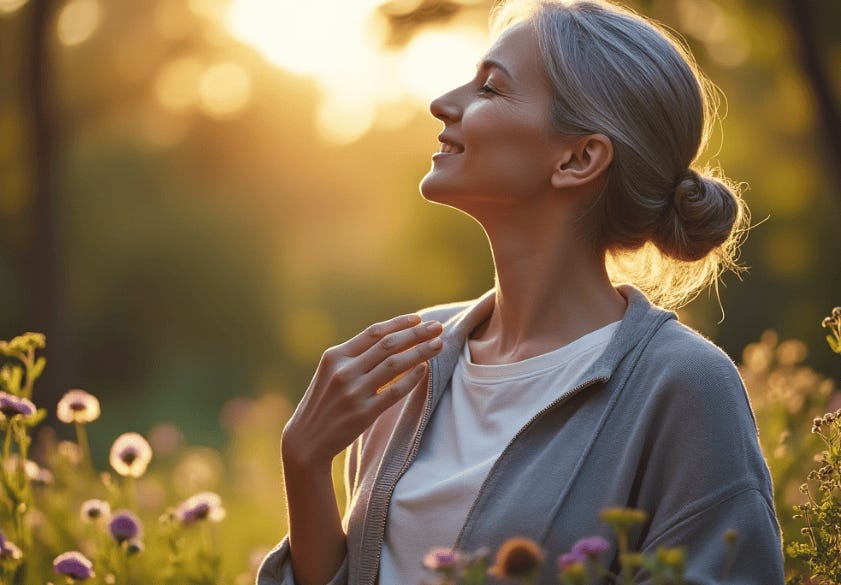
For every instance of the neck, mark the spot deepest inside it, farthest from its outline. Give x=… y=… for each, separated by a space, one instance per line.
x=551 y=289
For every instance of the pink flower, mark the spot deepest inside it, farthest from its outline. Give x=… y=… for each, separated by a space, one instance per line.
x=8 y=549
x=569 y=559
x=591 y=546
x=94 y=509
x=78 y=406
x=203 y=506
x=130 y=454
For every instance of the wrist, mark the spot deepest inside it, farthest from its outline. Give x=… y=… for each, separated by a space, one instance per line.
x=298 y=457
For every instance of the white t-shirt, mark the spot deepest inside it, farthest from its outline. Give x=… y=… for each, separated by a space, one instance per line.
x=475 y=419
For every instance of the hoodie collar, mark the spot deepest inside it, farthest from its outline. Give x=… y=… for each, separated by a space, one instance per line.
x=641 y=318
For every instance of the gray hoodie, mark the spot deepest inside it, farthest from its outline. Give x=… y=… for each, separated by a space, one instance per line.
x=661 y=421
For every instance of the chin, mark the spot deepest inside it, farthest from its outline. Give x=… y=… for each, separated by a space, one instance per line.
x=438 y=190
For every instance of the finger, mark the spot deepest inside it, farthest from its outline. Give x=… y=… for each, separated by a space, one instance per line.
x=394 y=343
x=372 y=334
x=398 y=364
x=391 y=393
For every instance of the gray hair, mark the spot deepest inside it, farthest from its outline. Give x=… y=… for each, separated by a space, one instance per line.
x=667 y=227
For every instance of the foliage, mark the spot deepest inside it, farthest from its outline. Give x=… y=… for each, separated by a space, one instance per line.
x=519 y=559
x=62 y=517
x=820 y=545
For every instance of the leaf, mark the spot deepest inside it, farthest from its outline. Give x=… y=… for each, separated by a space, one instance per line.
x=834 y=343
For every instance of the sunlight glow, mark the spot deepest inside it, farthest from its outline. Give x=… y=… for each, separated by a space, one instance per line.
x=176 y=85
x=9 y=6
x=224 y=90
x=77 y=21
x=340 y=44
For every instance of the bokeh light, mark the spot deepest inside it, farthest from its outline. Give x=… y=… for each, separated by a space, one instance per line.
x=77 y=21
x=224 y=90
x=9 y=6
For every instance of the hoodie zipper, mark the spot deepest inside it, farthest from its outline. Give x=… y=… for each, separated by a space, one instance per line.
x=562 y=398
x=412 y=452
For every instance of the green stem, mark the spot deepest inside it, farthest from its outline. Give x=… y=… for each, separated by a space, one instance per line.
x=29 y=362
x=129 y=493
x=84 y=446
x=7 y=442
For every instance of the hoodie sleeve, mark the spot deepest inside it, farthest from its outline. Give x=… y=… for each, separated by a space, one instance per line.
x=754 y=555
x=276 y=567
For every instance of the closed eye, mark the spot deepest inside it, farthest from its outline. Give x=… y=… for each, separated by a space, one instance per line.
x=487 y=88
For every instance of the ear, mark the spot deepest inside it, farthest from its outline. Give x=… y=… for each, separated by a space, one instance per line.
x=584 y=159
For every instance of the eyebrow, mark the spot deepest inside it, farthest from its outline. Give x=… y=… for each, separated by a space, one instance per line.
x=487 y=63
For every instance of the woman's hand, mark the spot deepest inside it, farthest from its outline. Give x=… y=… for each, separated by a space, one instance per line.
x=354 y=383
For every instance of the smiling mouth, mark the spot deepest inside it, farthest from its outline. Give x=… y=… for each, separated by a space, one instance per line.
x=448 y=148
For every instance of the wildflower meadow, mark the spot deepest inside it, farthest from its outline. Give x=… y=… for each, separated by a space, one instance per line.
x=169 y=513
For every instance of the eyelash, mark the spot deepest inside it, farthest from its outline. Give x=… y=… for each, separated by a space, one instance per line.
x=486 y=89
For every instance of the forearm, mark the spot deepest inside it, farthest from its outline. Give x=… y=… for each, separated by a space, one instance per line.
x=316 y=538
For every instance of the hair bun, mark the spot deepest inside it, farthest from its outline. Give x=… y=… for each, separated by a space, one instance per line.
x=700 y=218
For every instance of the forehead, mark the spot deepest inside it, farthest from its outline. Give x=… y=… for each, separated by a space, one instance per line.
x=517 y=50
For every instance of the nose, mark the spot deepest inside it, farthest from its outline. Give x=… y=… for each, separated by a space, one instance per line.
x=445 y=107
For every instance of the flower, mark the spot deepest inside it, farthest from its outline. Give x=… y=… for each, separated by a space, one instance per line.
x=442 y=560
x=517 y=558
x=623 y=518
x=78 y=406
x=567 y=560
x=23 y=344
x=94 y=509
x=124 y=526
x=11 y=405
x=8 y=549
x=203 y=506
x=37 y=474
x=73 y=564
x=130 y=454
x=590 y=547
x=134 y=546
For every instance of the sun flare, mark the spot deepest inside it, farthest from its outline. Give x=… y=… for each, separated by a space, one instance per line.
x=341 y=45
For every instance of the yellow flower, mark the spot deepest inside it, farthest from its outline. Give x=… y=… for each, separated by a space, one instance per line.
x=130 y=454
x=78 y=406
x=518 y=557
x=623 y=518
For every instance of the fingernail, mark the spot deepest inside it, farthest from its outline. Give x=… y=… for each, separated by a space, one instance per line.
x=433 y=326
x=436 y=343
x=413 y=319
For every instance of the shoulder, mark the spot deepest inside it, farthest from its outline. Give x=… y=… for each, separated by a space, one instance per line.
x=686 y=375
x=678 y=352
x=445 y=311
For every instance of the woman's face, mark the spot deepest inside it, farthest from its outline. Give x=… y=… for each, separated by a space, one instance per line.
x=498 y=142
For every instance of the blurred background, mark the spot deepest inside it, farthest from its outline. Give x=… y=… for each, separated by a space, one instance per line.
x=198 y=196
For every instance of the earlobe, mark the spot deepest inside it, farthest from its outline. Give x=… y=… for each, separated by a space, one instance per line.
x=583 y=161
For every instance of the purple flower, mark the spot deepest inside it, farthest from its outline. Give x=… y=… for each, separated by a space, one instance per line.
x=94 y=509
x=8 y=549
x=78 y=406
x=130 y=454
x=73 y=564
x=203 y=506
x=441 y=560
x=591 y=546
x=569 y=559
x=11 y=405
x=124 y=526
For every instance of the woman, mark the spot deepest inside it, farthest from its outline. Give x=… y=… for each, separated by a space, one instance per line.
x=556 y=394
